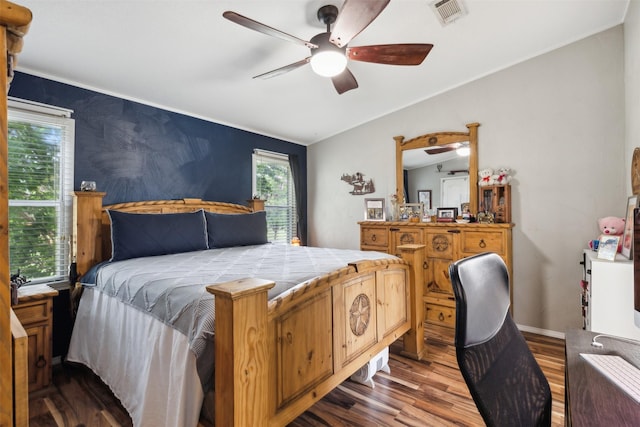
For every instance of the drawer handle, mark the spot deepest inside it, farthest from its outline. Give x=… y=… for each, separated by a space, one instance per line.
x=453 y=231
x=425 y=265
x=373 y=238
x=41 y=363
x=441 y=317
x=482 y=244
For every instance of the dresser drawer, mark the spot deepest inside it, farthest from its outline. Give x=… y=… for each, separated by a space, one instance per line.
x=32 y=312
x=440 y=314
x=405 y=236
x=374 y=236
x=439 y=245
x=475 y=242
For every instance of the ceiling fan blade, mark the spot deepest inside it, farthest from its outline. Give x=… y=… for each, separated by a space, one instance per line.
x=344 y=81
x=283 y=70
x=354 y=17
x=265 y=29
x=392 y=54
x=439 y=150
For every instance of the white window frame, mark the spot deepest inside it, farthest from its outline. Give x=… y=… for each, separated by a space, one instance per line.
x=21 y=110
x=292 y=225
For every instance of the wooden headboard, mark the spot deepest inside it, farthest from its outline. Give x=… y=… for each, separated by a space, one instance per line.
x=91 y=242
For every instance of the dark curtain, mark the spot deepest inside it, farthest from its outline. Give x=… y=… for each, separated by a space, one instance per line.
x=294 y=165
x=405 y=178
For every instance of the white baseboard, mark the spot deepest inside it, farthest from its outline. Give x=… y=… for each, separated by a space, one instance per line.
x=545 y=332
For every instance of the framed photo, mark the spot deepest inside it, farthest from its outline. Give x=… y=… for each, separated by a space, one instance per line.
x=447 y=214
x=464 y=209
x=374 y=210
x=627 y=235
x=424 y=197
x=608 y=247
x=411 y=212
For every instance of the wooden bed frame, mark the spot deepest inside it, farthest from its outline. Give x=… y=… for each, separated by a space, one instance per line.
x=282 y=356
x=14 y=404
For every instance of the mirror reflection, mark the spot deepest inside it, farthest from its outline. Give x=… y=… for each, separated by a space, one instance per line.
x=446 y=163
x=442 y=170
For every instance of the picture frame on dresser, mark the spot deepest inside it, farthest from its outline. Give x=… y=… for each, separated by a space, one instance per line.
x=608 y=247
x=412 y=212
x=447 y=214
x=627 y=235
x=374 y=210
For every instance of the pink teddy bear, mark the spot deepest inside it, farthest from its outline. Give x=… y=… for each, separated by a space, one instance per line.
x=611 y=226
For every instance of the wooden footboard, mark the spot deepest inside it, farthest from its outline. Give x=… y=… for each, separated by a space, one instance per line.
x=274 y=359
x=287 y=354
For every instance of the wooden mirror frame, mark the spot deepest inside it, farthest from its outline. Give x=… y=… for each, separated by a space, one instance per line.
x=437 y=139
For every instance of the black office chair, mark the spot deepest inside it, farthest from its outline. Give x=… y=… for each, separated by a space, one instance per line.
x=504 y=379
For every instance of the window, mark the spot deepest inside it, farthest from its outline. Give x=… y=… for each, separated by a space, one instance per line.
x=40 y=190
x=273 y=182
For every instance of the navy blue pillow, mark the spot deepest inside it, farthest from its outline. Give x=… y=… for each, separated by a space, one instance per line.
x=226 y=230
x=135 y=235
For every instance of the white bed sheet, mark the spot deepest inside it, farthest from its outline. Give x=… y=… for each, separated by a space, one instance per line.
x=151 y=373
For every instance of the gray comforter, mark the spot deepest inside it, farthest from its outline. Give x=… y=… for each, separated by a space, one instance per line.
x=172 y=287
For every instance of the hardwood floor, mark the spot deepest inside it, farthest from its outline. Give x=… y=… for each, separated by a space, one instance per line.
x=426 y=393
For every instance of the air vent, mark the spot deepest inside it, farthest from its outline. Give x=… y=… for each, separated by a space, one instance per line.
x=448 y=11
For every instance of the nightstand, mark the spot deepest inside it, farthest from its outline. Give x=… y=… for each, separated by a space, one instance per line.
x=35 y=312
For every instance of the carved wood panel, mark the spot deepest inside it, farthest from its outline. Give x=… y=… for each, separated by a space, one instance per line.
x=356 y=317
x=305 y=350
x=392 y=300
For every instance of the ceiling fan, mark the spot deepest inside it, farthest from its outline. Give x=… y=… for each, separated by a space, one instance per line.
x=461 y=148
x=439 y=150
x=330 y=50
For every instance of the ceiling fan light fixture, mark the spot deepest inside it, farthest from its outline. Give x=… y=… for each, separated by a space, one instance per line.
x=328 y=60
x=328 y=63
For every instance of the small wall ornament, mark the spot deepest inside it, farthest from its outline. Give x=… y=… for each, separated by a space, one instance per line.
x=17 y=280
x=487 y=176
x=359 y=184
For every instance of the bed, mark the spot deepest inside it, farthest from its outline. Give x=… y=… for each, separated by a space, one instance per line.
x=291 y=323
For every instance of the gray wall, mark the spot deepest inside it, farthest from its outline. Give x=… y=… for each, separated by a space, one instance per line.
x=632 y=84
x=556 y=120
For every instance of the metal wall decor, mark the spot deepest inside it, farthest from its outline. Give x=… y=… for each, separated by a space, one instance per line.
x=359 y=184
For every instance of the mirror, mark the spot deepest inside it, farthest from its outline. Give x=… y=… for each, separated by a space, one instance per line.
x=443 y=147
x=442 y=171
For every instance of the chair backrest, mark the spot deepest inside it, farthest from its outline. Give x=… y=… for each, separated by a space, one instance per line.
x=505 y=381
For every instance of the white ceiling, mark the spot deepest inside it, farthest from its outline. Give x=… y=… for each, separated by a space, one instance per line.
x=185 y=57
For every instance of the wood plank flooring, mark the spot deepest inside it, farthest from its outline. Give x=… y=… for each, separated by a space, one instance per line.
x=426 y=393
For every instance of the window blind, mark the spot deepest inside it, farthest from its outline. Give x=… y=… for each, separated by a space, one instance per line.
x=273 y=182
x=41 y=140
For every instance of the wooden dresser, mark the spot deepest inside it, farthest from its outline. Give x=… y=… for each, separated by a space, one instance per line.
x=35 y=312
x=444 y=243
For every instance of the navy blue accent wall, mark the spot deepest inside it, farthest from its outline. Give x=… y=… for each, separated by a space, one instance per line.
x=138 y=152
